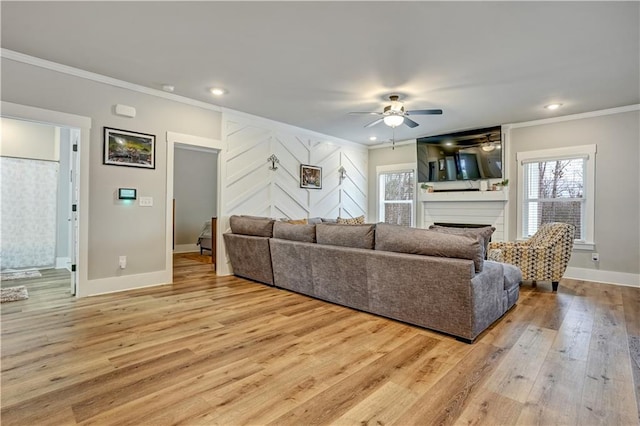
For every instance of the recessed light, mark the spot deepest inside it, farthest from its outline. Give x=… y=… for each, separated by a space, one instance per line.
x=373 y=138
x=168 y=88
x=552 y=107
x=218 y=91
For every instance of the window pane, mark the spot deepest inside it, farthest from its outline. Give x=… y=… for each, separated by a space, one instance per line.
x=398 y=186
x=555 y=179
x=398 y=213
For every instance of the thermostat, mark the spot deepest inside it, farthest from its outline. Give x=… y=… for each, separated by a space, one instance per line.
x=127 y=193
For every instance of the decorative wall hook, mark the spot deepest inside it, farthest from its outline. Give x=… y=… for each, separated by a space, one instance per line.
x=273 y=160
x=343 y=173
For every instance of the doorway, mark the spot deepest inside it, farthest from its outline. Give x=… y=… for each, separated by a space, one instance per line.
x=39 y=189
x=193 y=177
x=79 y=128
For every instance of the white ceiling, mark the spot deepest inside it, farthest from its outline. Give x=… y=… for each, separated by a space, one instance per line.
x=310 y=63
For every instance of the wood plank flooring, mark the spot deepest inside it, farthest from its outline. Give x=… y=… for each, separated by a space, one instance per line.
x=211 y=350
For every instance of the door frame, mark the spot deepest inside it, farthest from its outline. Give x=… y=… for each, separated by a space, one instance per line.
x=80 y=257
x=174 y=138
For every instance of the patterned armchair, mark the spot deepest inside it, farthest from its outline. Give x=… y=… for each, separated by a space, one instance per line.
x=543 y=257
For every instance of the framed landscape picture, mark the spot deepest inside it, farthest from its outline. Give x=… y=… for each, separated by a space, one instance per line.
x=310 y=177
x=131 y=149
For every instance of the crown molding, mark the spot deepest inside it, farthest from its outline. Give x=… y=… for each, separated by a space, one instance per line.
x=591 y=114
x=87 y=75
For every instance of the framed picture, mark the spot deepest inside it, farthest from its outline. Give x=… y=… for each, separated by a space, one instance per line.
x=131 y=149
x=310 y=177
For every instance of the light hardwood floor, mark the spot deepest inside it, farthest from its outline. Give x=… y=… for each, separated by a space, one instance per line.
x=222 y=350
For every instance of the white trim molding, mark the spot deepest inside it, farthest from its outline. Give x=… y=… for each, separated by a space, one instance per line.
x=606 y=277
x=584 y=151
x=591 y=114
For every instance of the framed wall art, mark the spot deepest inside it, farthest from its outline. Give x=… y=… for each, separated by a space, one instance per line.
x=131 y=149
x=310 y=177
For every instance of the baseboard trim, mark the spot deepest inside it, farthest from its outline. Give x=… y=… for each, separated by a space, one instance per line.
x=124 y=283
x=606 y=277
x=63 y=263
x=186 y=248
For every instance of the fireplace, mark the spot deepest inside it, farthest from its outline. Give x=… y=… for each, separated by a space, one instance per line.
x=460 y=225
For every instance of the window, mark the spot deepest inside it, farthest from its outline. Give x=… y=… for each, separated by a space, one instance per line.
x=396 y=194
x=557 y=185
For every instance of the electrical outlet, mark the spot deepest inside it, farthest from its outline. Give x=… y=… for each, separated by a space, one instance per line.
x=122 y=261
x=595 y=257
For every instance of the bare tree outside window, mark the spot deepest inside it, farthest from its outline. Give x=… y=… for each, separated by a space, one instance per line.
x=398 y=190
x=555 y=193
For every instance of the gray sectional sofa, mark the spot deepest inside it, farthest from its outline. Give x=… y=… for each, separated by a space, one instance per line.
x=423 y=277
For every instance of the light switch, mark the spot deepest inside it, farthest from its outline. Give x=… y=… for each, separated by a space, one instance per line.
x=146 y=201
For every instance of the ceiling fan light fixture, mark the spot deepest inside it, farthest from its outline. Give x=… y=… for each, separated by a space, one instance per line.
x=393 y=120
x=488 y=147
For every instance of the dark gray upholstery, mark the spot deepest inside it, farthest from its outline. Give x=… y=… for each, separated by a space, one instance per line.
x=288 y=231
x=396 y=280
x=356 y=236
x=402 y=239
x=250 y=257
x=251 y=225
x=483 y=233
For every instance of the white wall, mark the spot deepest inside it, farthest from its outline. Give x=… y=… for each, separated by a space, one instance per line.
x=114 y=228
x=617 y=199
x=25 y=139
x=140 y=233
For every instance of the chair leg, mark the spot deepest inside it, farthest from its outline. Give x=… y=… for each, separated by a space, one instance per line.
x=534 y=283
x=554 y=285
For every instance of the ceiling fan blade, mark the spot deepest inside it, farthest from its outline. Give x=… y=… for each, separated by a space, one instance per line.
x=425 y=112
x=409 y=122
x=373 y=123
x=365 y=113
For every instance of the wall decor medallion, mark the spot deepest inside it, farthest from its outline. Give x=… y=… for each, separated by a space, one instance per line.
x=131 y=149
x=310 y=177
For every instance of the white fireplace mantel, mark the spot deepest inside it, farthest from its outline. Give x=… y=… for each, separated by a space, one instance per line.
x=458 y=196
x=472 y=207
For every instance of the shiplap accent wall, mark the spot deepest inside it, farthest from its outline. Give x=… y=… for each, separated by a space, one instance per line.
x=251 y=188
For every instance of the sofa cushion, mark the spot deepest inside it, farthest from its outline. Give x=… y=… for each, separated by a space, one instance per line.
x=248 y=225
x=357 y=236
x=402 y=239
x=351 y=221
x=293 y=232
x=483 y=233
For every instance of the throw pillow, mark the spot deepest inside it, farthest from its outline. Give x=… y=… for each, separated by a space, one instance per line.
x=297 y=221
x=247 y=225
x=402 y=239
x=351 y=221
x=483 y=233
x=356 y=236
x=288 y=231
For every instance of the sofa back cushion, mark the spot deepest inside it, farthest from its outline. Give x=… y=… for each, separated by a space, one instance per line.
x=484 y=234
x=293 y=232
x=402 y=239
x=251 y=225
x=356 y=236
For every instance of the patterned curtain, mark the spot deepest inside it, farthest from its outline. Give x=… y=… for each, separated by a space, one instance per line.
x=28 y=213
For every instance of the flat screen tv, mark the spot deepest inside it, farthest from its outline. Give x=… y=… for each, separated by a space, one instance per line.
x=469 y=155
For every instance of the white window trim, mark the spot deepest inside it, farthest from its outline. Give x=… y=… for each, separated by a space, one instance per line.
x=403 y=167
x=584 y=151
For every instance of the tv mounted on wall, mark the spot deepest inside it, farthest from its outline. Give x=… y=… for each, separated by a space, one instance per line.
x=469 y=155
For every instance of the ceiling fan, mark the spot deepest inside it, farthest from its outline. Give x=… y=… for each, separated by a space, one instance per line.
x=394 y=114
